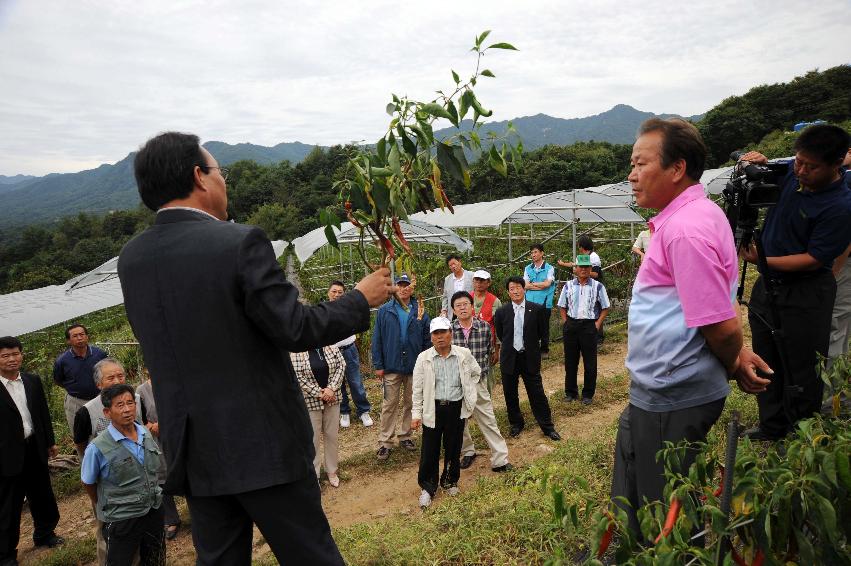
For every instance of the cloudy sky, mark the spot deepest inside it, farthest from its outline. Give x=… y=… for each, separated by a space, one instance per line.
x=85 y=82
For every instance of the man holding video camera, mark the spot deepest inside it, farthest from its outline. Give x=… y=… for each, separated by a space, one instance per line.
x=808 y=227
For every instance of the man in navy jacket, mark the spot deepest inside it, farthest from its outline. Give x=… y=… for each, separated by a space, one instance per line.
x=400 y=334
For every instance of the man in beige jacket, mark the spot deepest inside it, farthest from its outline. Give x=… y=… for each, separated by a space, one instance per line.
x=444 y=396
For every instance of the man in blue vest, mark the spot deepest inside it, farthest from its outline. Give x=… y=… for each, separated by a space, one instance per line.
x=540 y=281
x=119 y=473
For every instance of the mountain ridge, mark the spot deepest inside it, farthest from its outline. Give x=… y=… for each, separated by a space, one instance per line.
x=112 y=186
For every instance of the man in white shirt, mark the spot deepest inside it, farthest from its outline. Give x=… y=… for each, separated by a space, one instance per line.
x=26 y=438
x=578 y=307
x=458 y=280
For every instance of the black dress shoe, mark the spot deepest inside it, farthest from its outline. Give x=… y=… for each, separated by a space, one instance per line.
x=515 y=431
x=467 y=461
x=51 y=542
x=503 y=468
x=553 y=435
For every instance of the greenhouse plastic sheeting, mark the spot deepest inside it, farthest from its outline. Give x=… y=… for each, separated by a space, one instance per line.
x=414 y=231
x=27 y=311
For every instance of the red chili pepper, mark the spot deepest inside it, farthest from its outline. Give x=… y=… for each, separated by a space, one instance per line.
x=352 y=219
x=397 y=229
x=736 y=558
x=758 y=558
x=673 y=511
x=607 y=539
x=446 y=201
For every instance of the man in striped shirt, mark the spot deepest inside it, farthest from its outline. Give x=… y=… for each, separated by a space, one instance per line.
x=576 y=306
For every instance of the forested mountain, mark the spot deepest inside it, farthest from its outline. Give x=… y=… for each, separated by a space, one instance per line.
x=617 y=125
x=283 y=197
x=111 y=187
x=14 y=179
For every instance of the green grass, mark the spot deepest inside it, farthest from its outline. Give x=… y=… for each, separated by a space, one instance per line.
x=508 y=519
x=72 y=553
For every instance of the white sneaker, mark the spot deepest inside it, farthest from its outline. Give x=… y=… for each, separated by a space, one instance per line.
x=453 y=491
x=345 y=421
x=366 y=419
x=425 y=499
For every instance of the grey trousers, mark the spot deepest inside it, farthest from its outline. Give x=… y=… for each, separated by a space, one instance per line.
x=638 y=476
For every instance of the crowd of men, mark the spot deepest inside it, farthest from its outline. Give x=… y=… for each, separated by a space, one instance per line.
x=243 y=452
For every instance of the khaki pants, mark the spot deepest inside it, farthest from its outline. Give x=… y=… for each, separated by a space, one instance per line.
x=393 y=383
x=485 y=418
x=326 y=423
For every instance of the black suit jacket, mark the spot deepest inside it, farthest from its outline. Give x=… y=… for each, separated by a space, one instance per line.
x=216 y=320
x=533 y=329
x=12 y=446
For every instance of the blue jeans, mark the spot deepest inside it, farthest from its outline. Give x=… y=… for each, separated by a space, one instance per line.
x=350 y=354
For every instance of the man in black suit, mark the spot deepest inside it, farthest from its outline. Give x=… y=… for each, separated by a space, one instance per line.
x=216 y=320
x=520 y=355
x=26 y=440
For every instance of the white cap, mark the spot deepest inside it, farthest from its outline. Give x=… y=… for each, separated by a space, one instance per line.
x=439 y=323
x=481 y=274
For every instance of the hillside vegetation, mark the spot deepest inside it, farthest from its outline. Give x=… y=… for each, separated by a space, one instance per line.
x=283 y=198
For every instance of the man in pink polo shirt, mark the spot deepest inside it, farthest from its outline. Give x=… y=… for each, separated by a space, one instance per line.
x=685 y=336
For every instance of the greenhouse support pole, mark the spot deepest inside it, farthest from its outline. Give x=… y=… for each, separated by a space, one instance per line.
x=509 y=240
x=573 y=194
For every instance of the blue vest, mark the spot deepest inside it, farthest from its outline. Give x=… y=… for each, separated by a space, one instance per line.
x=545 y=296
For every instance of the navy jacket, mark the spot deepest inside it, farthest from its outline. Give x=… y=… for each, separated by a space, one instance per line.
x=388 y=353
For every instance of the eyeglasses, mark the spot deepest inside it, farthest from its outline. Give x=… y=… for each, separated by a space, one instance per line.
x=224 y=171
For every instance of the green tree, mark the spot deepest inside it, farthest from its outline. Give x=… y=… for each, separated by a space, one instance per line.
x=278 y=221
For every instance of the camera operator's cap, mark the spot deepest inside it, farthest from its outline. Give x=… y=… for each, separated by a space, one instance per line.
x=439 y=323
x=403 y=279
x=583 y=260
x=481 y=274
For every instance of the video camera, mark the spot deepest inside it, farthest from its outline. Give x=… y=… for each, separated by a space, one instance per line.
x=750 y=188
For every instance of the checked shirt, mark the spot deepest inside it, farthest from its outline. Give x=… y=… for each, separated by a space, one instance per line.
x=479 y=342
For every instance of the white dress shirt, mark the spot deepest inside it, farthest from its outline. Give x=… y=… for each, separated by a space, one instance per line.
x=15 y=387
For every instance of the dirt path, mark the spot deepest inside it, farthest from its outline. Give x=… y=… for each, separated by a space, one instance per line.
x=354 y=501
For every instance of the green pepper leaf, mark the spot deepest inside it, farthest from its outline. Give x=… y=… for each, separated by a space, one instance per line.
x=502 y=45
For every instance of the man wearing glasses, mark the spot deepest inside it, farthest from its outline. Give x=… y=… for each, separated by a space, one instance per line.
x=216 y=319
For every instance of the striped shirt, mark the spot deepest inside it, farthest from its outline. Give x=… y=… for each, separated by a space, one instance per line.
x=447 y=378
x=579 y=300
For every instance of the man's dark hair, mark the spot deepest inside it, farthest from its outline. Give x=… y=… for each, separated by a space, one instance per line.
x=450 y=257
x=72 y=327
x=165 y=167
x=10 y=342
x=826 y=142
x=113 y=391
x=537 y=246
x=585 y=242
x=338 y=283
x=460 y=295
x=515 y=279
x=680 y=140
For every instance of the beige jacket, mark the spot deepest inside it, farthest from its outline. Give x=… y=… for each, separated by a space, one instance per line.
x=423 y=391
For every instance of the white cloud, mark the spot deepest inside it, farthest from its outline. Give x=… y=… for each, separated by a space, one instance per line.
x=86 y=82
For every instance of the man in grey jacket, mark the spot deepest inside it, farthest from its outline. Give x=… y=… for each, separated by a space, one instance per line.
x=458 y=280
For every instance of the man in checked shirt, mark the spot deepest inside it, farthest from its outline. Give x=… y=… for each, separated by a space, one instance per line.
x=576 y=306
x=475 y=335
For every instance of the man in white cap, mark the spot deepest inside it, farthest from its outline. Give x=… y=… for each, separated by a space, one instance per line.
x=444 y=395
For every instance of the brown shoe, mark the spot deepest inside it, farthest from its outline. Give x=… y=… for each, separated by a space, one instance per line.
x=383 y=453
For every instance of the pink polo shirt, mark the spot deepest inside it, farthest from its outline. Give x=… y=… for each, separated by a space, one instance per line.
x=688 y=279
